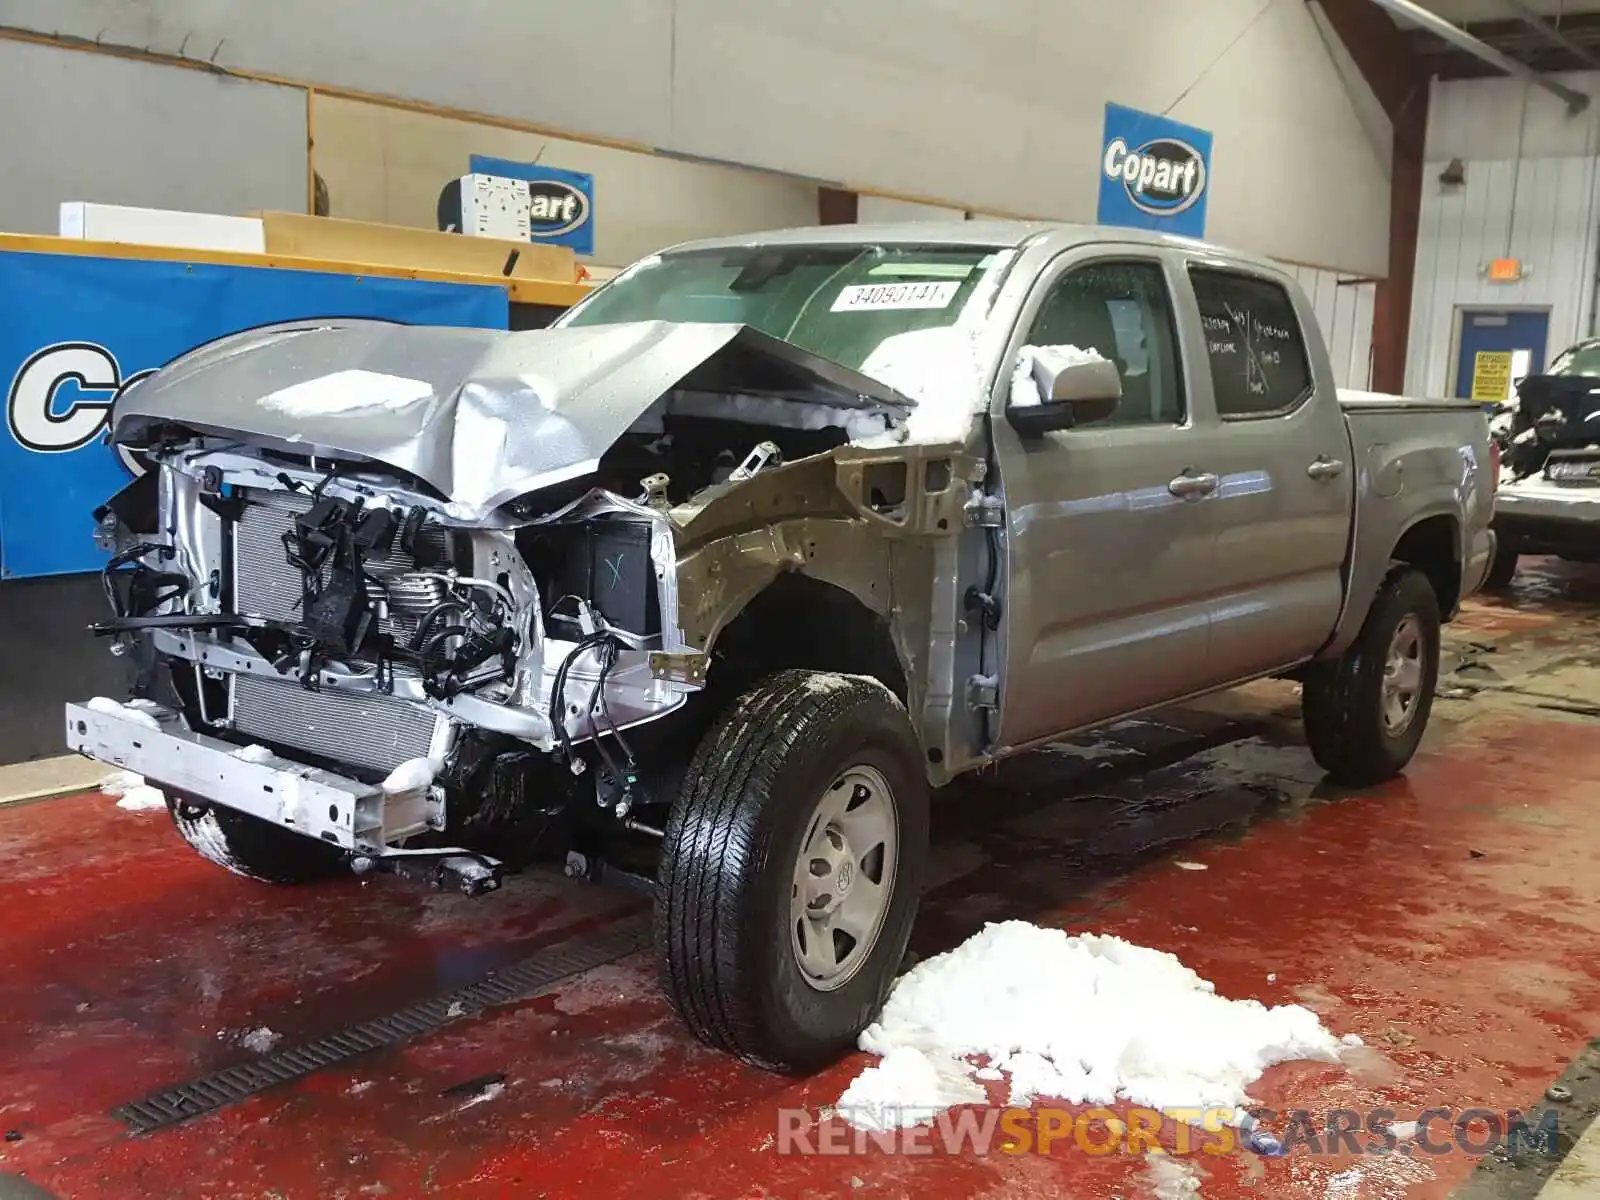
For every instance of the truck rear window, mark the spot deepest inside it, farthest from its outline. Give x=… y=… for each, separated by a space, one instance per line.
x=1253 y=343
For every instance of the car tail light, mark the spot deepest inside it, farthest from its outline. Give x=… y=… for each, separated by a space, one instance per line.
x=1494 y=465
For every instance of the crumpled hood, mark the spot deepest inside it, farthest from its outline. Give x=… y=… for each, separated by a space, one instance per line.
x=483 y=416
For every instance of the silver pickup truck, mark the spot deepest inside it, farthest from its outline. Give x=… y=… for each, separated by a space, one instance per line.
x=711 y=582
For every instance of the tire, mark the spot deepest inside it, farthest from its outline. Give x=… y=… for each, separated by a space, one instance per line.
x=796 y=764
x=251 y=847
x=1344 y=702
x=1502 y=568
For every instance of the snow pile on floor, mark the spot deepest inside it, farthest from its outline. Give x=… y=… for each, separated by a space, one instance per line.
x=132 y=792
x=1170 y=1178
x=1087 y=1019
x=906 y=1088
x=260 y=1040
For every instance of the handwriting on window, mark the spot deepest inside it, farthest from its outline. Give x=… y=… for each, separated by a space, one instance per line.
x=1239 y=333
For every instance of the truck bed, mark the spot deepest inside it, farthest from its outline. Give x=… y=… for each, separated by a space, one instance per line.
x=1352 y=400
x=1418 y=456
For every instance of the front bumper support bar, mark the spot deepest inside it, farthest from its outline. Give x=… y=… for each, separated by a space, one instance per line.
x=355 y=816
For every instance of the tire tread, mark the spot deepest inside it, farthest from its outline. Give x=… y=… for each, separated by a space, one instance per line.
x=713 y=846
x=1343 y=728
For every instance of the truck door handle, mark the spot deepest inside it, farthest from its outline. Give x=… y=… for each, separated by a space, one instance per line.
x=1191 y=486
x=1325 y=468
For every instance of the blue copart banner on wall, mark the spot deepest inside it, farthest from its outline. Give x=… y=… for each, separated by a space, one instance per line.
x=1155 y=173
x=76 y=330
x=563 y=201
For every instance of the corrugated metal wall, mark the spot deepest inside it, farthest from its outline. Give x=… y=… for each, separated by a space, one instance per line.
x=1344 y=311
x=1529 y=193
x=1550 y=227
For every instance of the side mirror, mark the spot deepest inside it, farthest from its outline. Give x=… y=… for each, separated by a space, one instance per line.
x=1057 y=388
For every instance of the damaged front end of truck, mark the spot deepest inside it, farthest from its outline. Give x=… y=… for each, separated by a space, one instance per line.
x=427 y=595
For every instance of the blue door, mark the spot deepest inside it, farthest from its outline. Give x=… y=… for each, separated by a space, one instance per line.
x=1494 y=335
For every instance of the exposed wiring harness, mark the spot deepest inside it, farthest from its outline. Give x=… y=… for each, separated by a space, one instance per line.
x=456 y=636
x=148 y=589
x=626 y=773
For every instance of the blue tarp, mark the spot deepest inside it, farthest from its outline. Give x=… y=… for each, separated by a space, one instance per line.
x=76 y=329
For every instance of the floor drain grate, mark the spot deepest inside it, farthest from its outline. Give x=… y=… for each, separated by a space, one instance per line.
x=515 y=982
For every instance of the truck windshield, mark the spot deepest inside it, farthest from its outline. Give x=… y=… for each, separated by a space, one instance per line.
x=1582 y=359
x=840 y=302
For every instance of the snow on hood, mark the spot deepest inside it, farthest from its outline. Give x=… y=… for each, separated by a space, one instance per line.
x=482 y=415
x=942 y=370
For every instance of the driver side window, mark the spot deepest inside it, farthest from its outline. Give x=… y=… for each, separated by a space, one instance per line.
x=1121 y=310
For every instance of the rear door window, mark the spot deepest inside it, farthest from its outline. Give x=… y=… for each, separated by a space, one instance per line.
x=1254 y=344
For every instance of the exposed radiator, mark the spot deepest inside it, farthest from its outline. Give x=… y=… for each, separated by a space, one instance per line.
x=375 y=732
x=265 y=585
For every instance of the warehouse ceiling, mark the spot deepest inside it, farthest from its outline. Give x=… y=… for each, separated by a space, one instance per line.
x=1499 y=23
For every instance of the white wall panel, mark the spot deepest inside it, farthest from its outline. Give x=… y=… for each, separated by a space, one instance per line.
x=1343 y=306
x=992 y=106
x=1529 y=193
x=113 y=131
x=878 y=209
x=1502 y=118
x=388 y=164
x=1551 y=229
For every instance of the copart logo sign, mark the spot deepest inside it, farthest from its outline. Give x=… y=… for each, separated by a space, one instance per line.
x=1162 y=178
x=61 y=398
x=555 y=208
x=1154 y=173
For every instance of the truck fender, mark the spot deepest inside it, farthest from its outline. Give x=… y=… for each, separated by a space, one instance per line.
x=1431 y=541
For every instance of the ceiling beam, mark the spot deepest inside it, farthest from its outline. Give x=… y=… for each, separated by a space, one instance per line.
x=1552 y=34
x=1458 y=37
x=1399 y=77
x=1517 y=39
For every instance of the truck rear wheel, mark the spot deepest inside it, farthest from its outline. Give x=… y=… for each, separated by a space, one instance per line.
x=1502 y=568
x=251 y=847
x=791 y=869
x=1365 y=712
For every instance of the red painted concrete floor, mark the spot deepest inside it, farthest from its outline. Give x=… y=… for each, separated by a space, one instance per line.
x=1448 y=919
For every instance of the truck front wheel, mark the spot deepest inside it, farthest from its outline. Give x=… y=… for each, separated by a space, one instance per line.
x=1366 y=711
x=791 y=869
x=252 y=847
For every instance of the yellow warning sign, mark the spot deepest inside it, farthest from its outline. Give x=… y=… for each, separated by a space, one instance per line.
x=1491 y=375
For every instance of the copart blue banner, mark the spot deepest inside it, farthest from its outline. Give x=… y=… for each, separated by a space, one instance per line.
x=561 y=203
x=1155 y=173
x=77 y=330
